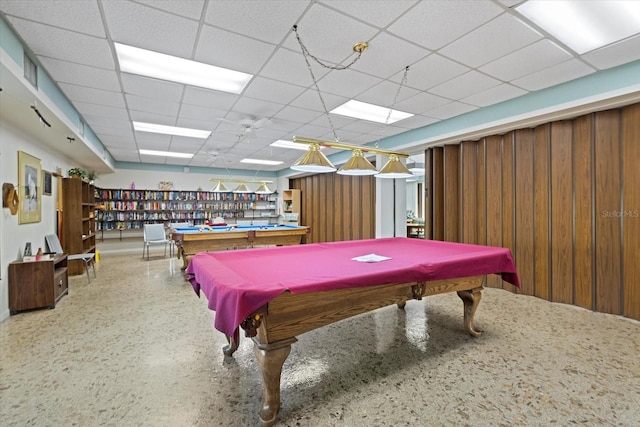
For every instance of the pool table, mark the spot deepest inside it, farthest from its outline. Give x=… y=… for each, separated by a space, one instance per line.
x=191 y=240
x=275 y=294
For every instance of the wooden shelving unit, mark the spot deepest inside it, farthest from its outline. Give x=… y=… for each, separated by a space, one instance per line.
x=291 y=201
x=37 y=284
x=78 y=221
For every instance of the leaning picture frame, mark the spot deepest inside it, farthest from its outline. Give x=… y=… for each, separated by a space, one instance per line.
x=29 y=185
x=46 y=183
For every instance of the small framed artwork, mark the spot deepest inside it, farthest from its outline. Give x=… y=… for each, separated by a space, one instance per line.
x=30 y=184
x=46 y=183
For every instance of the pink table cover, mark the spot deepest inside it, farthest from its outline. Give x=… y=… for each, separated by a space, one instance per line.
x=238 y=282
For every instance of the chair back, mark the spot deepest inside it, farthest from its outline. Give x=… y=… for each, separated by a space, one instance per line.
x=53 y=243
x=154 y=233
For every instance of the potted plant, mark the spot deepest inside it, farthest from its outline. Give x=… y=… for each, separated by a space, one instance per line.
x=92 y=176
x=77 y=173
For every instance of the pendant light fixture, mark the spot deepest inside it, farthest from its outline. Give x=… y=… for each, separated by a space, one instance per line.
x=220 y=187
x=315 y=161
x=263 y=189
x=357 y=165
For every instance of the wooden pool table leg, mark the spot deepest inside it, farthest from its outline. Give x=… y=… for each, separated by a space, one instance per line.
x=232 y=343
x=471 y=300
x=271 y=357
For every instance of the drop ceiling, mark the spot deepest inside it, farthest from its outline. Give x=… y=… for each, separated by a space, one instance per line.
x=462 y=56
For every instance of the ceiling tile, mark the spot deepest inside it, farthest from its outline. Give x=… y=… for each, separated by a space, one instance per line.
x=450 y=110
x=209 y=98
x=256 y=107
x=384 y=12
x=494 y=39
x=92 y=96
x=421 y=102
x=388 y=55
x=221 y=48
x=152 y=88
x=196 y=113
x=267 y=90
x=434 y=24
x=102 y=110
x=233 y=15
x=465 y=85
x=148 y=28
x=431 y=71
x=79 y=16
x=348 y=83
x=82 y=75
x=568 y=70
x=156 y=106
x=384 y=94
x=188 y=8
x=311 y=101
x=295 y=114
x=494 y=95
x=617 y=54
x=525 y=61
x=66 y=45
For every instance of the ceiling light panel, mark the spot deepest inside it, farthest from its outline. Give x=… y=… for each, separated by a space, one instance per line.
x=261 y=162
x=171 y=130
x=166 y=67
x=166 y=154
x=584 y=25
x=373 y=113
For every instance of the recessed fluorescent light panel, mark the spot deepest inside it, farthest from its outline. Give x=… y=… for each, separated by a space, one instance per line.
x=261 y=162
x=584 y=25
x=373 y=113
x=165 y=154
x=281 y=143
x=166 y=67
x=171 y=130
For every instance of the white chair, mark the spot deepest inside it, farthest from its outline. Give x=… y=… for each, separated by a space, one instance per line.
x=172 y=227
x=154 y=234
x=88 y=258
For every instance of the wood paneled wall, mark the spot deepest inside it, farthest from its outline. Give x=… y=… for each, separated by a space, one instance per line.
x=564 y=197
x=337 y=207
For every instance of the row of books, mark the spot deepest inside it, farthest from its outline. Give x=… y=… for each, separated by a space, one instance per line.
x=119 y=194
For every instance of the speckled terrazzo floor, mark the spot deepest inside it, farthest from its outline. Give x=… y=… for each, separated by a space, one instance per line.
x=136 y=348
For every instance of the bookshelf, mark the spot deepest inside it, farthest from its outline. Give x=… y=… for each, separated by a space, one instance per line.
x=122 y=209
x=78 y=221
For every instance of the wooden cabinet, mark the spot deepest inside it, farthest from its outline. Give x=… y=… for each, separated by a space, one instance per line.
x=37 y=284
x=121 y=209
x=291 y=201
x=78 y=221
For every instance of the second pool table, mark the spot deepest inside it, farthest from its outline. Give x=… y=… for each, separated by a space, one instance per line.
x=191 y=240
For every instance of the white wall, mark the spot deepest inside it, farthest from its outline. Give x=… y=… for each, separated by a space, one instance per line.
x=14 y=236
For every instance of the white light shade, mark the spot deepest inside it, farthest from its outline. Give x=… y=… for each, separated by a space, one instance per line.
x=170 y=130
x=394 y=169
x=166 y=67
x=242 y=188
x=584 y=25
x=313 y=161
x=166 y=154
x=263 y=189
x=220 y=188
x=357 y=165
x=371 y=112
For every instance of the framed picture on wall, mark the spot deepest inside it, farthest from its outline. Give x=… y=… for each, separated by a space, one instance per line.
x=29 y=187
x=46 y=183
